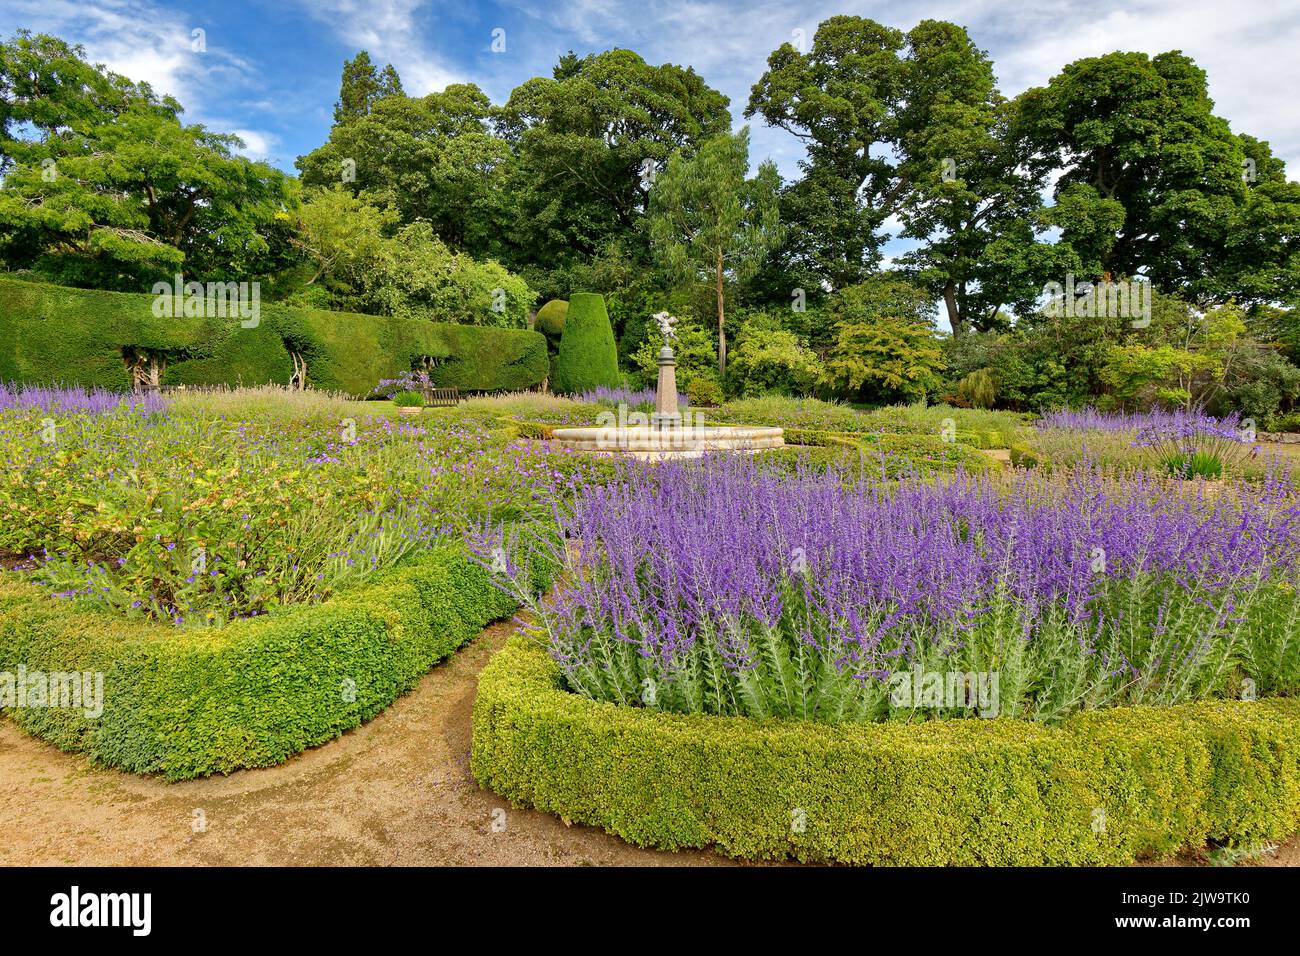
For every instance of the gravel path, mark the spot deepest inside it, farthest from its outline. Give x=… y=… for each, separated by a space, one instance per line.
x=396 y=791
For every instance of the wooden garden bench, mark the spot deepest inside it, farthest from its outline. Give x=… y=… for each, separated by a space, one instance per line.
x=441 y=397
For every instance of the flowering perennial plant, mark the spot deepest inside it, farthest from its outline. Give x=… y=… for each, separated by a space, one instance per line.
x=1197 y=446
x=723 y=588
x=1181 y=444
x=638 y=400
x=197 y=519
x=58 y=398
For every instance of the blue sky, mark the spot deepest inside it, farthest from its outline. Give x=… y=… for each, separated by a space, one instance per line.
x=270 y=71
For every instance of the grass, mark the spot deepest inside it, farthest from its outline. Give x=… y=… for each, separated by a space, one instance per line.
x=915 y=419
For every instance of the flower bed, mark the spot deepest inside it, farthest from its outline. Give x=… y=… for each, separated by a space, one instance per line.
x=1103 y=788
x=732 y=588
x=1187 y=444
x=188 y=703
x=214 y=508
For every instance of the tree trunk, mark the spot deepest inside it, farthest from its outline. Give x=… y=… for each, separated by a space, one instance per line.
x=722 y=326
x=955 y=317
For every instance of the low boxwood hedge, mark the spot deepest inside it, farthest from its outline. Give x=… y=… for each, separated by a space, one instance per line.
x=1104 y=788
x=188 y=703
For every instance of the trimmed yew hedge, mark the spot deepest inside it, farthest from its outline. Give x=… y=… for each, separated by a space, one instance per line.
x=1104 y=788
x=187 y=703
x=588 y=356
x=55 y=335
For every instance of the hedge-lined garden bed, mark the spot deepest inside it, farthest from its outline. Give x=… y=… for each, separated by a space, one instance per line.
x=1103 y=788
x=188 y=703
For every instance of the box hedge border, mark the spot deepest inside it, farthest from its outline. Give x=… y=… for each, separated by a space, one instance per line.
x=187 y=703
x=1104 y=788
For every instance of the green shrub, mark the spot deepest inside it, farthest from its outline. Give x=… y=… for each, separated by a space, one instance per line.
x=1104 y=788
x=550 y=321
x=51 y=334
x=893 y=455
x=783 y=412
x=1024 y=456
x=978 y=389
x=190 y=703
x=704 y=390
x=588 y=357
x=408 y=400
x=534 y=430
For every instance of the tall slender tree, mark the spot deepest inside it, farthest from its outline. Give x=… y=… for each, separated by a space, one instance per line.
x=709 y=224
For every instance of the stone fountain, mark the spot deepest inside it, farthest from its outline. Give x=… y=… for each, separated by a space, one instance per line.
x=667 y=432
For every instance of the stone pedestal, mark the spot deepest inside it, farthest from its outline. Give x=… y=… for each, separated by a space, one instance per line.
x=666 y=389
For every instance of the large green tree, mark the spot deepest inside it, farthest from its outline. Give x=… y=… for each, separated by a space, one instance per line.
x=878 y=111
x=432 y=158
x=362 y=86
x=105 y=186
x=589 y=142
x=361 y=258
x=973 y=208
x=1156 y=184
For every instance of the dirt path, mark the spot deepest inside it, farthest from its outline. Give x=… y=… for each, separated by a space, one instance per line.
x=394 y=792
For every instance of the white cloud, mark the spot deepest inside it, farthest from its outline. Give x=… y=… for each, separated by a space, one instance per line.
x=144 y=42
x=257 y=144
x=391 y=31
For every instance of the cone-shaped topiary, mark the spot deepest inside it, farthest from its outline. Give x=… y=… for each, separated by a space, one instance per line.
x=550 y=320
x=588 y=357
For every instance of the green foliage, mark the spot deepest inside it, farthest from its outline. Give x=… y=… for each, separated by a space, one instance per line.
x=50 y=334
x=432 y=158
x=708 y=223
x=411 y=274
x=1196 y=464
x=885 y=359
x=768 y=361
x=884 y=347
x=704 y=390
x=588 y=357
x=1000 y=792
x=693 y=348
x=581 y=140
x=550 y=321
x=978 y=389
x=408 y=400
x=788 y=412
x=362 y=87
x=1161 y=180
x=1140 y=375
x=102 y=185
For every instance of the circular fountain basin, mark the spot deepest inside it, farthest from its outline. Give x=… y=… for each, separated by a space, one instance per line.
x=652 y=442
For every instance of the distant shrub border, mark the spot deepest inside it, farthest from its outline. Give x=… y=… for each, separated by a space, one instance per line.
x=1104 y=788
x=188 y=703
